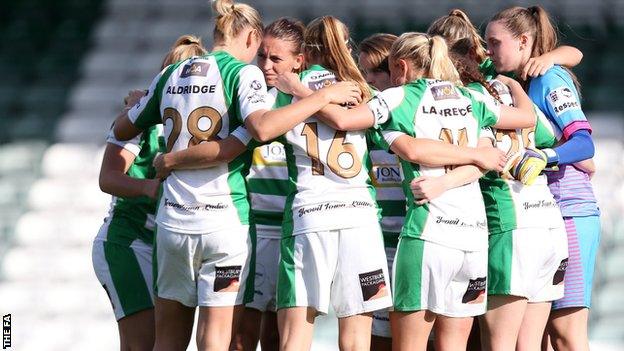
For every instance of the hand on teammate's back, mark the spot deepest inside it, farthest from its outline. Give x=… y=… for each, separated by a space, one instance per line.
x=289 y=83
x=162 y=171
x=151 y=187
x=537 y=66
x=427 y=188
x=343 y=93
x=491 y=158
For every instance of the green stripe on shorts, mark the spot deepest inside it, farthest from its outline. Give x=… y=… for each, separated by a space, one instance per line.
x=286 y=289
x=500 y=254
x=408 y=275
x=128 y=279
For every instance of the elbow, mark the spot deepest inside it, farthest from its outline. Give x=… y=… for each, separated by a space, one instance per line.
x=260 y=134
x=104 y=183
x=412 y=155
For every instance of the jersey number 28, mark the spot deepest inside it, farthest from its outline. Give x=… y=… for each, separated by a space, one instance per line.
x=212 y=119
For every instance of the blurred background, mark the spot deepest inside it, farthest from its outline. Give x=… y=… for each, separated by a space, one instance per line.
x=65 y=67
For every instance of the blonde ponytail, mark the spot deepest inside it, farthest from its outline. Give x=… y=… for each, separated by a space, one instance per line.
x=325 y=40
x=184 y=47
x=426 y=53
x=232 y=18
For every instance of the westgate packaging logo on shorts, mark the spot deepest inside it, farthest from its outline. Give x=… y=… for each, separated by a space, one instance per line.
x=199 y=69
x=227 y=278
x=373 y=285
x=6 y=331
x=475 y=293
x=560 y=273
x=329 y=206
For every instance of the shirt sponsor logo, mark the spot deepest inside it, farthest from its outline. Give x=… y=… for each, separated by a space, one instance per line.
x=560 y=273
x=459 y=223
x=447 y=112
x=373 y=285
x=319 y=84
x=196 y=207
x=386 y=175
x=227 y=278
x=539 y=204
x=330 y=206
x=563 y=100
x=443 y=92
x=273 y=152
x=256 y=97
x=475 y=292
x=191 y=89
x=199 y=69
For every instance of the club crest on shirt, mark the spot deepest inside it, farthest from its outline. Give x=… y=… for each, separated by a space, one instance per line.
x=199 y=69
x=443 y=92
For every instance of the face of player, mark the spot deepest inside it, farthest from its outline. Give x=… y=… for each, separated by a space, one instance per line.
x=374 y=76
x=276 y=56
x=507 y=52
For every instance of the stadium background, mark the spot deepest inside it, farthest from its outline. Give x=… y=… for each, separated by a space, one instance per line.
x=66 y=65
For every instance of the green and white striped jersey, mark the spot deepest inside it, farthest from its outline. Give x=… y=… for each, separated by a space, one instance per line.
x=200 y=99
x=328 y=171
x=438 y=110
x=133 y=218
x=509 y=203
x=386 y=176
x=268 y=186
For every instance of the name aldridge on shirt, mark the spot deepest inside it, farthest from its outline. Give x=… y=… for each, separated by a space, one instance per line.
x=196 y=207
x=191 y=89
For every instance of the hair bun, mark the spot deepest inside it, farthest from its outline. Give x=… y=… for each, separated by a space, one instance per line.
x=223 y=7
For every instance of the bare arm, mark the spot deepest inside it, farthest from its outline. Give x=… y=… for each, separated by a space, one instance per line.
x=124 y=129
x=334 y=116
x=434 y=153
x=204 y=155
x=568 y=56
x=588 y=166
x=427 y=188
x=267 y=125
x=115 y=181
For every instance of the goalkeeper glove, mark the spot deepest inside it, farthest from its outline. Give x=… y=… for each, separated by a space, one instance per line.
x=528 y=165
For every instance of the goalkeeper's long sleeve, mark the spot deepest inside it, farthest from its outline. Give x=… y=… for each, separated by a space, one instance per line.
x=577 y=148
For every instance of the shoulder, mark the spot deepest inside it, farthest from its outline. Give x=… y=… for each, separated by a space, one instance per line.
x=554 y=78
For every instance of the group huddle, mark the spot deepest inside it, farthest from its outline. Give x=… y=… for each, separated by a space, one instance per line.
x=430 y=182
